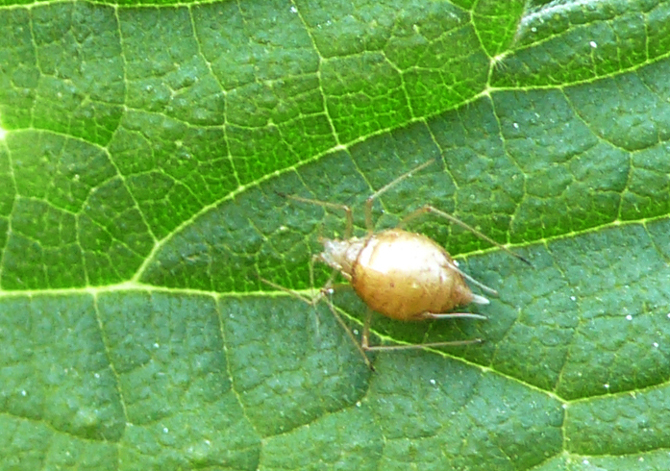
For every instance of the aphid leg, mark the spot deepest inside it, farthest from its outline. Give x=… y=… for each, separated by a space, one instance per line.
x=349 y=214
x=311 y=271
x=388 y=186
x=365 y=338
x=455 y=220
x=453 y=343
x=365 y=343
x=328 y=287
x=325 y=291
x=346 y=328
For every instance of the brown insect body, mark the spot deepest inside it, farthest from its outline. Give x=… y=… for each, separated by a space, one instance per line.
x=403 y=275
x=400 y=274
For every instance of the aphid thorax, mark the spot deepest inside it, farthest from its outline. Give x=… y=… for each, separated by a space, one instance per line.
x=341 y=254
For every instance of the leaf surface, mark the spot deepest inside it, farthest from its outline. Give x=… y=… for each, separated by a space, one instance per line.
x=144 y=150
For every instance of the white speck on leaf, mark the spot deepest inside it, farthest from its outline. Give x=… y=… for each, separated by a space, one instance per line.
x=629 y=317
x=593 y=44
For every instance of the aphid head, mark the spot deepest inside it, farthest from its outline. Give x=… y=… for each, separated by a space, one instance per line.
x=341 y=254
x=333 y=254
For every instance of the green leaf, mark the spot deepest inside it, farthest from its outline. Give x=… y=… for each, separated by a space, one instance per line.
x=144 y=150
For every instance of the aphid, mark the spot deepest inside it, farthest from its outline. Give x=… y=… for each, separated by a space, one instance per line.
x=402 y=275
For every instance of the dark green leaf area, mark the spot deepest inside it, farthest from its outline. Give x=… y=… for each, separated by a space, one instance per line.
x=650 y=461
x=171 y=372
x=427 y=56
x=289 y=362
x=125 y=377
x=346 y=439
x=647 y=119
x=226 y=247
x=577 y=338
x=524 y=176
x=623 y=424
x=146 y=151
x=573 y=181
x=440 y=413
x=54 y=371
x=291 y=365
x=30 y=444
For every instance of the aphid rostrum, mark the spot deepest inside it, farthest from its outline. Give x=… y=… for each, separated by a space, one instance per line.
x=400 y=274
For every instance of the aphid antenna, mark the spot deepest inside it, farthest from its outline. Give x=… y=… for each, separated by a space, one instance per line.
x=432 y=209
x=370 y=200
x=312 y=302
x=348 y=213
